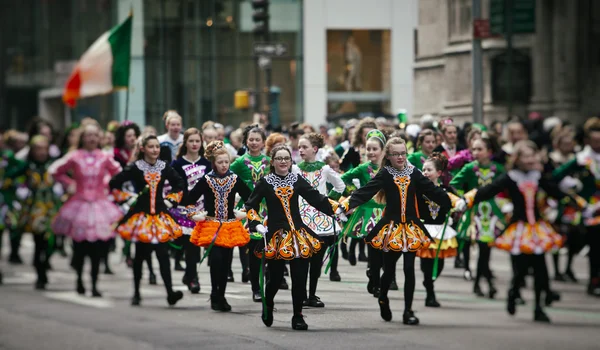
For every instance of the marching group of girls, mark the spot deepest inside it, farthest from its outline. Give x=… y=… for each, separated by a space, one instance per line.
x=290 y=207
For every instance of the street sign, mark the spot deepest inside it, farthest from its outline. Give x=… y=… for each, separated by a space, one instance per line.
x=264 y=62
x=481 y=29
x=270 y=49
x=522 y=13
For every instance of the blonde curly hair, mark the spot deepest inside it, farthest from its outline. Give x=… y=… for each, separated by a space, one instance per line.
x=215 y=149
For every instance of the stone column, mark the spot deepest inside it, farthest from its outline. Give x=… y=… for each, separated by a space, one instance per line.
x=566 y=99
x=541 y=53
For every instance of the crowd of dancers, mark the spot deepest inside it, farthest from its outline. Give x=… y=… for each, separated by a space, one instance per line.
x=297 y=200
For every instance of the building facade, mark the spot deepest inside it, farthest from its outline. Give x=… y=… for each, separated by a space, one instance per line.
x=357 y=56
x=190 y=56
x=343 y=56
x=554 y=70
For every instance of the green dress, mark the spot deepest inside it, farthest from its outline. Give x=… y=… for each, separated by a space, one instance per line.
x=39 y=200
x=586 y=168
x=9 y=181
x=251 y=169
x=417 y=159
x=485 y=221
x=366 y=216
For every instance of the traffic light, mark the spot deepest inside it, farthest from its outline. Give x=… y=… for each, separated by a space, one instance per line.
x=260 y=17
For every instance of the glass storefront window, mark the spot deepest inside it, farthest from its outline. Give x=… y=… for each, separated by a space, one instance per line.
x=358 y=71
x=198 y=53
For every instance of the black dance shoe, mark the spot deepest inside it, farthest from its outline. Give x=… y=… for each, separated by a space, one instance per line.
x=256 y=297
x=246 y=275
x=80 y=288
x=194 y=286
x=224 y=305
x=334 y=276
x=40 y=285
x=352 y=259
x=458 y=263
x=370 y=286
x=96 y=293
x=15 y=259
x=409 y=318
x=430 y=301
x=362 y=257
x=344 y=250
x=315 y=301
x=551 y=296
x=152 y=279
x=477 y=291
x=384 y=309
x=230 y=277
x=571 y=276
x=174 y=297
x=540 y=316
x=511 y=304
x=493 y=291
x=394 y=285
x=298 y=323
x=284 y=285
x=267 y=315
x=136 y=300
x=108 y=271
x=376 y=292
x=559 y=277
x=178 y=266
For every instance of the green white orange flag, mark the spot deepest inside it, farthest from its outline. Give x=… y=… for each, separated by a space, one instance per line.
x=104 y=67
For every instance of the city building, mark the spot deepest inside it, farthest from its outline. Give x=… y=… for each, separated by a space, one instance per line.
x=554 y=72
x=341 y=56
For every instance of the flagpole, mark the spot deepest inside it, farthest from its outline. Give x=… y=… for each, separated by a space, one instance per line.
x=129 y=70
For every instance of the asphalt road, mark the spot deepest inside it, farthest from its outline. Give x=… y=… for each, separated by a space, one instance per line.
x=58 y=318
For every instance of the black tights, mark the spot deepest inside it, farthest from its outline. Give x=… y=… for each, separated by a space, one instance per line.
x=243 y=258
x=375 y=265
x=127 y=253
x=316 y=264
x=427 y=268
x=143 y=251
x=521 y=264
x=192 y=258
x=95 y=250
x=253 y=264
x=220 y=264
x=593 y=239
x=40 y=258
x=110 y=244
x=389 y=274
x=361 y=246
x=466 y=251
x=483 y=263
x=298 y=273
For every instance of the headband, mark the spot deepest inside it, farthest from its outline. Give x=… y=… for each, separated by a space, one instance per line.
x=378 y=135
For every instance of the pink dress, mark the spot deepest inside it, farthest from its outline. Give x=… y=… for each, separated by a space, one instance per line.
x=88 y=215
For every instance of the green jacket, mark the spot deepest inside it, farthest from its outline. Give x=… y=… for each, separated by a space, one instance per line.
x=473 y=175
x=417 y=159
x=364 y=173
x=250 y=169
x=586 y=168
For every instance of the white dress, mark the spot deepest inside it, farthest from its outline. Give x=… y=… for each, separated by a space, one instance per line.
x=318 y=174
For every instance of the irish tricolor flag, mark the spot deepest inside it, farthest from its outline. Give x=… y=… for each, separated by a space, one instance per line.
x=104 y=67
